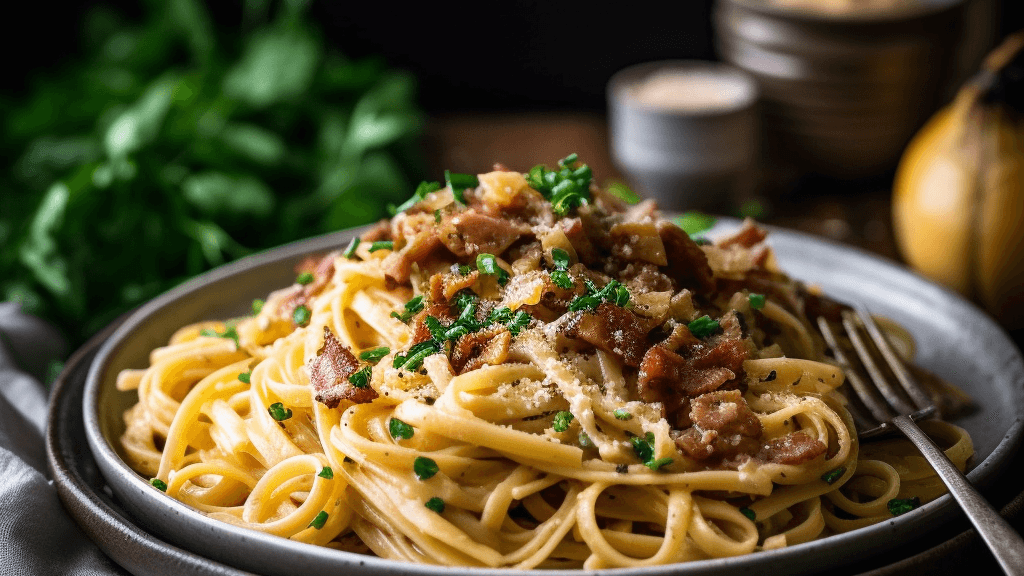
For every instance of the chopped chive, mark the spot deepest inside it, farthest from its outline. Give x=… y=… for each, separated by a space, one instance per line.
x=622 y=414
x=319 y=521
x=435 y=504
x=562 y=420
x=695 y=222
x=748 y=513
x=382 y=245
x=831 y=476
x=374 y=354
x=412 y=307
x=421 y=192
x=399 y=429
x=350 y=250
x=899 y=506
x=424 y=468
x=245 y=377
x=361 y=378
x=655 y=464
x=703 y=327
x=757 y=301
x=414 y=357
x=279 y=412
x=304 y=278
x=327 y=473
x=257 y=306
x=459 y=183
x=301 y=315
x=158 y=484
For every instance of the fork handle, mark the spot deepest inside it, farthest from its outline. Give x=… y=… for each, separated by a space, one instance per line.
x=1005 y=543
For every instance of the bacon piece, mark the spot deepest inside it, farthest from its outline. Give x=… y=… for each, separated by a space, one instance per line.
x=439 y=310
x=488 y=346
x=446 y=285
x=470 y=233
x=614 y=329
x=329 y=373
x=794 y=448
x=638 y=241
x=748 y=236
x=574 y=232
x=723 y=427
x=379 y=231
x=687 y=263
x=398 y=265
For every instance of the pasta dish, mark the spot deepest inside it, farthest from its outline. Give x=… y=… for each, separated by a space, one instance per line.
x=523 y=370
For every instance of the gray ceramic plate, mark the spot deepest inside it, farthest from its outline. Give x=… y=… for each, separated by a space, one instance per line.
x=954 y=339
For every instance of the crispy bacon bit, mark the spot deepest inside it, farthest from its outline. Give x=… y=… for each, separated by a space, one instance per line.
x=398 y=265
x=471 y=233
x=748 y=236
x=679 y=337
x=613 y=329
x=488 y=346
x=793 y=448
x=444 y=286
x=379 y=231
x=723 y=427
x=439 y=310
x=574 y=232
x=329 y=373
x=687 y=263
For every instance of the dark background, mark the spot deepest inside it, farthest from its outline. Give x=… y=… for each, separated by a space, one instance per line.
x=474 y=57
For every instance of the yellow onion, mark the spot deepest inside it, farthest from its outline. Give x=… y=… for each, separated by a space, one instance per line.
x=958 y=196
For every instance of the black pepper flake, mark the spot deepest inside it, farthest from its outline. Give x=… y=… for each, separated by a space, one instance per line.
x=771 y=376
x=622 y=468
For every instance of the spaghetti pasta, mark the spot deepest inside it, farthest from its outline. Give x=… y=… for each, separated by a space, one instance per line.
x=523 y=371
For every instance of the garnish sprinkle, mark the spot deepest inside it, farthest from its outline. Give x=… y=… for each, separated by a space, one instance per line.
x=899 y=506
x=757 y=301
x=229 y=332
x=748 y=513
x=361 y=378
x=382 y=245
x=703 y=327
x=350 y=250
x=566 y=188
x=301 y=315
x=694 y=223
x=459 y=183
x=319 y=521
x=158 y=484
x=399 y=429
x=488 y=264
x=622 y=414
x=831 y=476
x=257 y=306
x=279 y=412
x=245 y=377
x=562 y=420
x=435 y=504
x=424 y=468
x=326 y=473
x=412 y=307
x=613 y=292
x=304 y=278
x=374 y=354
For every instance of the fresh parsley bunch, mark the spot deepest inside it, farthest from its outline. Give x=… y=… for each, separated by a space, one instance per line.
x=172 y=146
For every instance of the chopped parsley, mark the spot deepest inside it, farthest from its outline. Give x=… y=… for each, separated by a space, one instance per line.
x=421 y=192
x=435 y=504
x=566 y=188
x=229 y=332
x=623 y=192
x=326 y=473
x=748 y=513
x=382 y=245
x=831 y=476
x=459 y=183
x=437 y=216
x=424 y=468
x=319 y=521
x=560 y=275
x=350 y=250
x=562 y=420
x=158 y=484
x=584 y=440
x=703 y=327
x=304 y=278
x=279 y=412
x=245 y=377
x=375 y=354
x=622 y=414
x=694 y=223
x=488 y=264
x=413 y=359
x=301 y=315
x=644 y=450
x=899 y=506
x=613 y=292
x=756 y=301
x=412 y=307
x=257 y=306
x=361 y=378
x=399 y=429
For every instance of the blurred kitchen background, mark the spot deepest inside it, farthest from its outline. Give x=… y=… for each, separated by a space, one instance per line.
x=149 y=141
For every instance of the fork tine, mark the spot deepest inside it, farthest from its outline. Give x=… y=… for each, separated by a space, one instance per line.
x=879 y=410
x=851 y=320
x=921 y=399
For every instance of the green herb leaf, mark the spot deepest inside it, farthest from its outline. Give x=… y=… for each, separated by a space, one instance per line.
x=643 y=448
x=748 y=513
x=756 y=301
x=585 y=440
x=301 y=315
x=399 y=429
x=459 y=183
x=613 y=292
x=562 y=420
x=561 y=279
x=158 y=484
x=304 y=278
x=518 y=322
x=412 y=307
x=229 y=332
x=361 y=378
x=831 y=476
x=319 y=521
x=560 y=258
x=424 y=468
x=350 y=250
x=257 y=306
x=413 y=359
x=622 y=414
x=566 y=188
x=898 y=506
x=327 y=473
x=245 y=377
x=703 y=327
x=694 y=223
x=656 y=464
x=382 y=245
x=421 y=192
x=374 y=355
x=488 y=264
x=623 y=192
x=435 y=504
x=279 y=412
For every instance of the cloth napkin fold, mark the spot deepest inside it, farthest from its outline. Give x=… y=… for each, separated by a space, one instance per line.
x=37 y=537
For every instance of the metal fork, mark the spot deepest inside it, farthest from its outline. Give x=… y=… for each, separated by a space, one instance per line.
x=897 y=406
